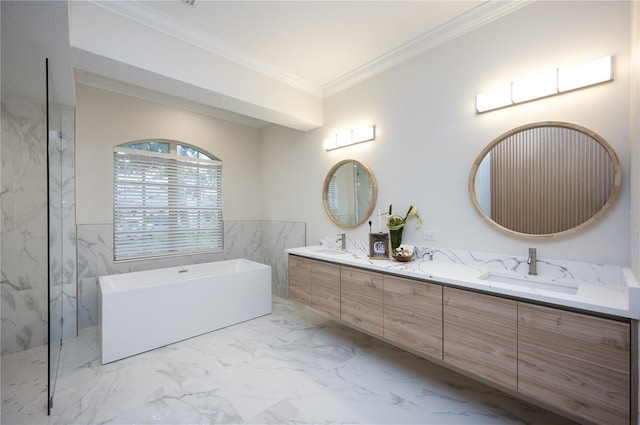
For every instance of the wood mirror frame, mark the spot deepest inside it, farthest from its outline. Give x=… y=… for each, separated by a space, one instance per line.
x=351 y=191
x=590 y=177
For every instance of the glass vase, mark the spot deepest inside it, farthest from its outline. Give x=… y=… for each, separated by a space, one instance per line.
x=396 y=238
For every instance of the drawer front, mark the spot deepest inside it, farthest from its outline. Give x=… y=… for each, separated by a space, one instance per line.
x=361 y=299
x=300 y=279
x=480 y=335
x=413 y=315
x=575 y=362
x=325 y=288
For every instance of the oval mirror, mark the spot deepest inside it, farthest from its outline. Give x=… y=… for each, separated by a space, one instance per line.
x=545 y=179
x=349 y=193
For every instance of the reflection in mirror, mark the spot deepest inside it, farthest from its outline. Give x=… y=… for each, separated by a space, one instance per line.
x=349 y=193
x=545 y=179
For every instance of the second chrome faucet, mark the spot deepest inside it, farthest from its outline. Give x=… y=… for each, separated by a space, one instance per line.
x=343 y=238
x=532 y=261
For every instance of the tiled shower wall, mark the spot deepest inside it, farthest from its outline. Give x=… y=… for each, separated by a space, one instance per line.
x=24 y=283
x=23 y=287
x=262 y=241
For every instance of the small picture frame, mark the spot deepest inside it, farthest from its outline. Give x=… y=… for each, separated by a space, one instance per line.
x=379 y=246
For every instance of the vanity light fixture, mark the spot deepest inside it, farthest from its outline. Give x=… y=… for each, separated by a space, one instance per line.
x=586 y=74
x=551 y=83
x=350 y=137
x=542 y=85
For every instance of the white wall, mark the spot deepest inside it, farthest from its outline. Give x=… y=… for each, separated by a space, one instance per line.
x=428 y=134
x=634 y=137
x=106 y=119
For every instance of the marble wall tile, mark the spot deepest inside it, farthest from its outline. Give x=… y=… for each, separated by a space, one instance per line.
x=56 y=312
x=276 y=237
x=242 y=239
x=9 y=322
x=24 y=224
x=88 y=309
x=31 y=318
x=70 y=310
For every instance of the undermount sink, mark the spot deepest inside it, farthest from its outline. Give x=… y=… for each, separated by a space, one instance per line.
x=330 y=251
x=532 y=282
x=446 y=268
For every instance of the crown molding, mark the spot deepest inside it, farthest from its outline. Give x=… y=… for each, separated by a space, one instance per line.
x=150 y=18
x=475 y=18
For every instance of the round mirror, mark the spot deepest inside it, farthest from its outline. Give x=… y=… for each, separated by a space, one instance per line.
x=545 y=179
x=349 y=193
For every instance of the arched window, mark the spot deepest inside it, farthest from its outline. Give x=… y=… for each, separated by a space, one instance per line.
x=167 y=199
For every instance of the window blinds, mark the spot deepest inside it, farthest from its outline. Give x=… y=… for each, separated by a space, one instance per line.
x=165 y=204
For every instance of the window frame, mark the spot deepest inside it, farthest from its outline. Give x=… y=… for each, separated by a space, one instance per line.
x=193 y=201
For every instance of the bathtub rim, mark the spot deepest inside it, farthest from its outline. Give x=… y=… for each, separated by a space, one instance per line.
x=108 y=284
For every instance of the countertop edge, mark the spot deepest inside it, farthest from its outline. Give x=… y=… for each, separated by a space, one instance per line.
x=387 y=266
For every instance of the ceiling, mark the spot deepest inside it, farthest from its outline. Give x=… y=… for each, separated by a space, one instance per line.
x=253 y=62
x=315 y=41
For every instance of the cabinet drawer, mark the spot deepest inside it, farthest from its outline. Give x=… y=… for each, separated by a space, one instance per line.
x=361 y=299
x=575 y=362
x=413 y=315
x=480 y=335
x=300 y=279
x=325 y=288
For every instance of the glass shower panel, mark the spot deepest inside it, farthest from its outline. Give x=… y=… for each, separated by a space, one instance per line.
x=54 y=218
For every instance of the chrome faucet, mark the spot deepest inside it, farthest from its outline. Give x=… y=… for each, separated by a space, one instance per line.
x=429 y=254
x=532 y=261
x=342 y=237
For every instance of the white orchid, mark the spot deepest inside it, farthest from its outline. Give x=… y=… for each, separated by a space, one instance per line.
x=396 y=222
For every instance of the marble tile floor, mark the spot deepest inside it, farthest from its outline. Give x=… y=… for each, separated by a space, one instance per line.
x=291 y=367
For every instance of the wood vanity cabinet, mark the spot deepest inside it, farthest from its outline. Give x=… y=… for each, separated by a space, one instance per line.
x=413 y=315
x=315 y=283
x=361 y=299
x=578 y=363
x=300 y=279
x=481 y=335
x=325 y=287
x=575 y=362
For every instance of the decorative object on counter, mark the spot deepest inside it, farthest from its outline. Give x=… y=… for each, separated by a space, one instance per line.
x=396 y=224
x=379 y=246
x=402 y=254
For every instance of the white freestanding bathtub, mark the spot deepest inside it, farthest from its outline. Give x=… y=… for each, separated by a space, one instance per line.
x=141 y=311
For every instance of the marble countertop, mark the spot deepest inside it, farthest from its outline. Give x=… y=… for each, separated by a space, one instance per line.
x=622 y=300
